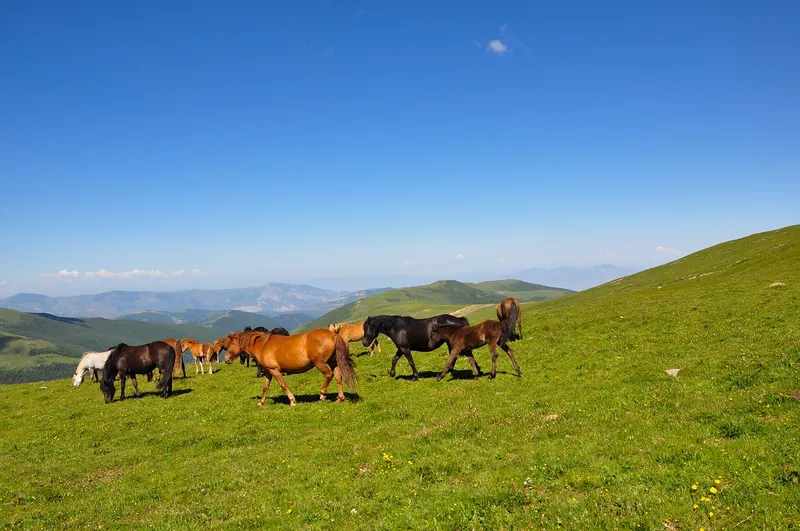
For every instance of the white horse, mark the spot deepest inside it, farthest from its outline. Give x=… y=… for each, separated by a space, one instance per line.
x=92 y=362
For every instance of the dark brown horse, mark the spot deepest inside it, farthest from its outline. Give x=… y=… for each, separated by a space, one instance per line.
x=490 y=333
x=504 y=310
x=129 y=361
x=296 y=354
x=408 y=333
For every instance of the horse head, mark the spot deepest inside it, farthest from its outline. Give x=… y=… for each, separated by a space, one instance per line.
x=370 y=333
x=77 y=378
x=231 y=345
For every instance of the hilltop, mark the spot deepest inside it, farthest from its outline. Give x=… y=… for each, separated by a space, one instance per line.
x=595 y=435
x=444 y=296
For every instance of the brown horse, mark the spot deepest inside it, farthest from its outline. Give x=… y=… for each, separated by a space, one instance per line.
x=353 y=332
x=465 y=338
x=296 y=354
x=180 y=366
x=200 y=352
x=128 y=361
x=504 y=312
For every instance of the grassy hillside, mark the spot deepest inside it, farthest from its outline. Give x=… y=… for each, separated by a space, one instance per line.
x=446 y=296
x=596 y=434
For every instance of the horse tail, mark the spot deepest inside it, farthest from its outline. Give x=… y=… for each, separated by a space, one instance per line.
x=345 y=363
x=519 y=320
x=166 y=377
x=507 y=325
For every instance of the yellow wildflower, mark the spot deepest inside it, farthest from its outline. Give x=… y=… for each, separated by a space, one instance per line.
x=713 y=490
x=695 y=506
x=694 y=487
x=710 y=514
x=717 y=481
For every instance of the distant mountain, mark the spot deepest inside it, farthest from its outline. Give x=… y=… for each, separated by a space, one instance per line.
x=273 y=298
x=575 y=278
x=231 y=319
x=444 y=296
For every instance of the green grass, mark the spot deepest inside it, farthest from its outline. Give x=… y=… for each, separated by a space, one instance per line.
x=596 y=434
x=445 y=296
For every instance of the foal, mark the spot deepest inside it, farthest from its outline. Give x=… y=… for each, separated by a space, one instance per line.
x=466 y=338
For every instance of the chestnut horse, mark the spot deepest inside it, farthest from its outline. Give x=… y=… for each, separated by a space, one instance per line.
x=464 y=338
x=504 y=312
x=129 y=361
x=296 y=354
x=353 y=332
x=180 y=366
x=200 y=352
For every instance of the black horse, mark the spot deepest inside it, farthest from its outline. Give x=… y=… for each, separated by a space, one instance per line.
x=245 y=358
x=129 y=361
x=408 y=333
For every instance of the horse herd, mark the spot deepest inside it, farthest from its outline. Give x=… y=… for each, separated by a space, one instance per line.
x=277 y=353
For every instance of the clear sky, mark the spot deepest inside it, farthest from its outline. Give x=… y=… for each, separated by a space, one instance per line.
x=173 y=144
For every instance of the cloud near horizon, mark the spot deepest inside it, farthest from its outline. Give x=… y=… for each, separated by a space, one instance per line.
x=193 y=272
x=124 y=274
x=61 y=274
x=666 y=250
x=459 y=256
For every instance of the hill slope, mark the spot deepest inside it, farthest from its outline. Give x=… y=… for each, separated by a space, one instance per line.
x=596 y=434
x=432 y=299
x=231 y=319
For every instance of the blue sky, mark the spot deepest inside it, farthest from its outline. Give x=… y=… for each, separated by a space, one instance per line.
x=248 y=142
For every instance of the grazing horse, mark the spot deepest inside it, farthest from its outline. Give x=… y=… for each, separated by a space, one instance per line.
x=353 y=332
x=296 y=354
x=408 y=333
x=132 y=360
x=180 y=366
x=489 y=332
x=91 y=362
x=504 y=312
x=200 y=352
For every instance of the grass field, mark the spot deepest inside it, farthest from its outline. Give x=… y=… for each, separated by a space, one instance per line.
x=595 y=435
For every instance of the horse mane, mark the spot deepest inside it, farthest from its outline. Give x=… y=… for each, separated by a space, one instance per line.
x=110 y=361
x=385 y=322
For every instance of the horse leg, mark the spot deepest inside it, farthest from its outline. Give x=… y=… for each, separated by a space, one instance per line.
x=210 y=366
x=135 y=386
x=414 y=373
x=394 y=362
x=276 y=373
x=513 y=359
x=337 y=373
x=476 y=370
x=267 y=381
x=326 y=370
x=451 y=361
x=493 y=349
x=202 y=370
x=122 y=377
x=195 y=365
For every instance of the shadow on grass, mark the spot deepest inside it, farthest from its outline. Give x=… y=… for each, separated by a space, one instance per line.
x=304 y=399
x=465 y=374
x=175 y=392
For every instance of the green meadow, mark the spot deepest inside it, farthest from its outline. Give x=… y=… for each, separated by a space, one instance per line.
x=595 y=435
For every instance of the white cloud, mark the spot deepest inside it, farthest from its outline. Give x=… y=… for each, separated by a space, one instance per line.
x=3 y=282
x=408 y=262
x=61 y=274
x=666 y=250
x=497 y=47
x=610 y=254
x=124 y=274
x=194 y=272
x=458 y=257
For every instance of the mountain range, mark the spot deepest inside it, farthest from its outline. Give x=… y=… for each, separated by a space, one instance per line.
x=271 y=299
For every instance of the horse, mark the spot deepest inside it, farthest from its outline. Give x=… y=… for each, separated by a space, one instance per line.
x=504 y=312
x=91 y=362
x=200 y=352
x=180 y=366
x=296 y=354
x=353 y=332
x=408 y=333
x=464 y=338
x=128 y=360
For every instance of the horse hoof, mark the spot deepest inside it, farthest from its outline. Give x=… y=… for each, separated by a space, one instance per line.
x=260 y=404
x=292 y=404
x=391 y=373
x=339 y=400
x=322 y=398
x=414 y=377
x=491 y=376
